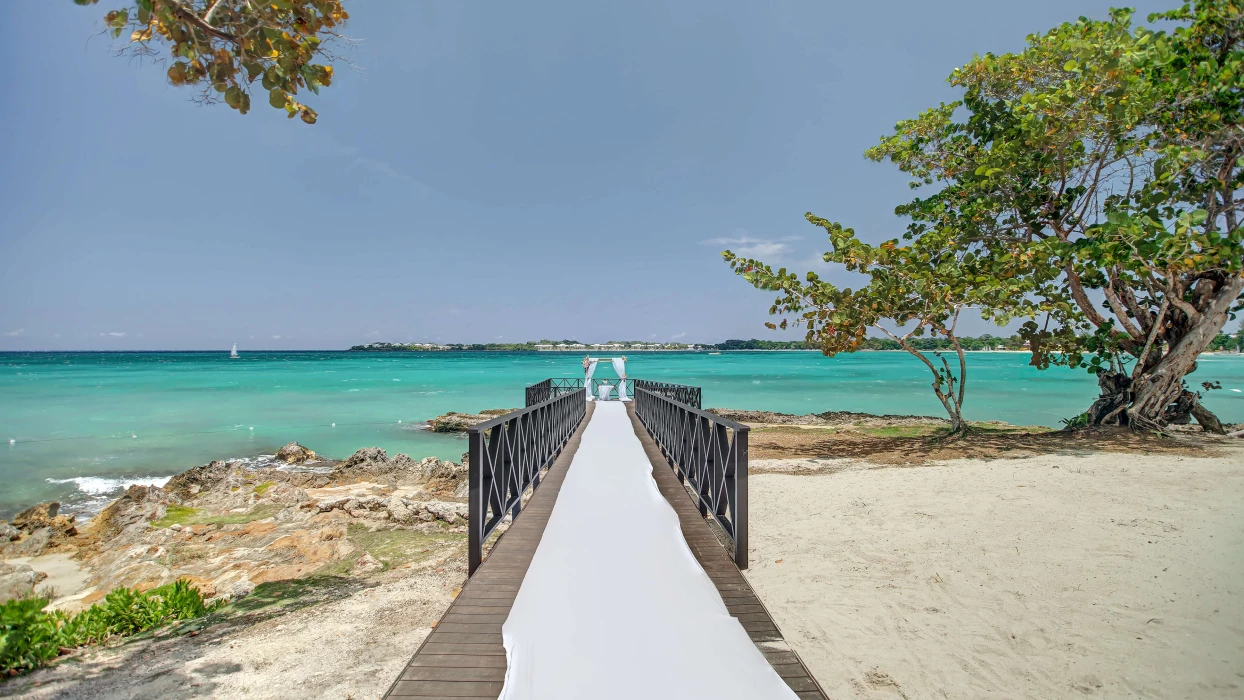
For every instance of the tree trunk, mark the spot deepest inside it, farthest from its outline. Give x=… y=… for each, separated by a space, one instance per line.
x=1160 y=386
x=1207 y=419
x=1157 y=396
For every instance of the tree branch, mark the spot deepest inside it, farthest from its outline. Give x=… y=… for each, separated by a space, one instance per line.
x=192 y=18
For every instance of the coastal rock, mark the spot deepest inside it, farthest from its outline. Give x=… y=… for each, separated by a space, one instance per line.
x=432 y=468
x=192 y=482
x=373 y=464
x=239 y=589
x=37 y=529
x=16 y=580
x=136 y=507
x=366 y=564
x=30 y=545
x=365 y=458
x=44 y=515
x=454 y=422
x=448 y=511
x=398 y=509
x=293 y=453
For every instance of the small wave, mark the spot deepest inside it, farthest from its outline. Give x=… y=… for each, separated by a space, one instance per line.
x=100 y=485
x=271 y=462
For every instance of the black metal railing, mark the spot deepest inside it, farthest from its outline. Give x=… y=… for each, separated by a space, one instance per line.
x=708 y=453
x=689 y=395
x=507 y=455
x=550 y=388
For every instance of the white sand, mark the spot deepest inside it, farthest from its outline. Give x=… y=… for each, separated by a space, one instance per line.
x=1104 y=575
x=65 y=574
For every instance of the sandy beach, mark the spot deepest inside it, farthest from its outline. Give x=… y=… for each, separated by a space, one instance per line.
x=1102 y=575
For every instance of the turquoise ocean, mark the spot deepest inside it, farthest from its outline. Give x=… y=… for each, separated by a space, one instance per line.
x=80 y=427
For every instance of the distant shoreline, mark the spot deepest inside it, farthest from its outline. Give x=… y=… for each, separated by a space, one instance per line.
x=469 y=350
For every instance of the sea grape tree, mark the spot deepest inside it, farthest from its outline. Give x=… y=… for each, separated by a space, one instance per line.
x=1099 y=172
x=223 y=48
x=915 y=288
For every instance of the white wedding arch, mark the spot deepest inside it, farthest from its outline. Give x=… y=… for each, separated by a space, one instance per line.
x=603 y=390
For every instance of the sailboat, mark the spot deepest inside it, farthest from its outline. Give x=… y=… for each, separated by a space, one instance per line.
x=233 y=354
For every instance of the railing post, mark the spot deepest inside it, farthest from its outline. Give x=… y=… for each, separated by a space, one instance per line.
x=740 y=497
x=476 y=501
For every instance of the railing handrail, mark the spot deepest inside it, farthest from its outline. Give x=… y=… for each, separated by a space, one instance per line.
x=690 y=395
x=493 y=422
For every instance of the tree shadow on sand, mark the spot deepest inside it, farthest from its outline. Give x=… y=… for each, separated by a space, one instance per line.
x=981 y=442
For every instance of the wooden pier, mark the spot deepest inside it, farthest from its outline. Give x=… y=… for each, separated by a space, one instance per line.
x=464 y=656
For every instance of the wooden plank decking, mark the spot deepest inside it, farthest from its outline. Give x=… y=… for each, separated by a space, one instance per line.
x=464 y=657
x=735 y=591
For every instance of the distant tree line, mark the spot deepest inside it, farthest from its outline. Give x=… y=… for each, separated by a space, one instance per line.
x=1222 y=343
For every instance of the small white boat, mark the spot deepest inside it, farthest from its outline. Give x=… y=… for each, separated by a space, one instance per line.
x=714 y=353
x=233 y=354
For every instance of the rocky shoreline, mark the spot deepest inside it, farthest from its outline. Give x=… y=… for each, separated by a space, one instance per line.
x=228 y=527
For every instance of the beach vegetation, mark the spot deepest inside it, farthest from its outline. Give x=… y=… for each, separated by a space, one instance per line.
x=394 y=547
x=186 y=515
x=922 y=285
x=228 y=50
x=1099 y=170
x=176 y=514
x=1088 y=184
x=32 y=636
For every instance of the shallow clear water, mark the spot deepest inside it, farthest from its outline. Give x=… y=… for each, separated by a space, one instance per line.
x=106 y=419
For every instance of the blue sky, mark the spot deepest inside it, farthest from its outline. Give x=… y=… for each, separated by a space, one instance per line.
x=491 y=171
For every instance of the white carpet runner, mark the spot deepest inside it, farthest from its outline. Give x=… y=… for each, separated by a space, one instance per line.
x=615 y=605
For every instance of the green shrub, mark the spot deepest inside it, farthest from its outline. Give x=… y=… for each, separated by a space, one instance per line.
x=31 y=636
x=1075 y=422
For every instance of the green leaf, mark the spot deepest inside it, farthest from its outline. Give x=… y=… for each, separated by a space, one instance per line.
x=277 y=98
x=1071 y=66
x=253 y=70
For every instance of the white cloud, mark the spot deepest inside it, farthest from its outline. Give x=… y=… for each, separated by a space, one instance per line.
x=114 y=334
x=500 y=337
x=676 y=336
x=14 y=334
x=745 y=245
x=276 y=337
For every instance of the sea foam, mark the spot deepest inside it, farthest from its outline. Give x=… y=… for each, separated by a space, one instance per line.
x=99 y=485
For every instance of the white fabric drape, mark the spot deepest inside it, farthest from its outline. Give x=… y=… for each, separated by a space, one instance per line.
x=604 y=390
x=619 y=366
x=587 y=381
x=623 y=613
